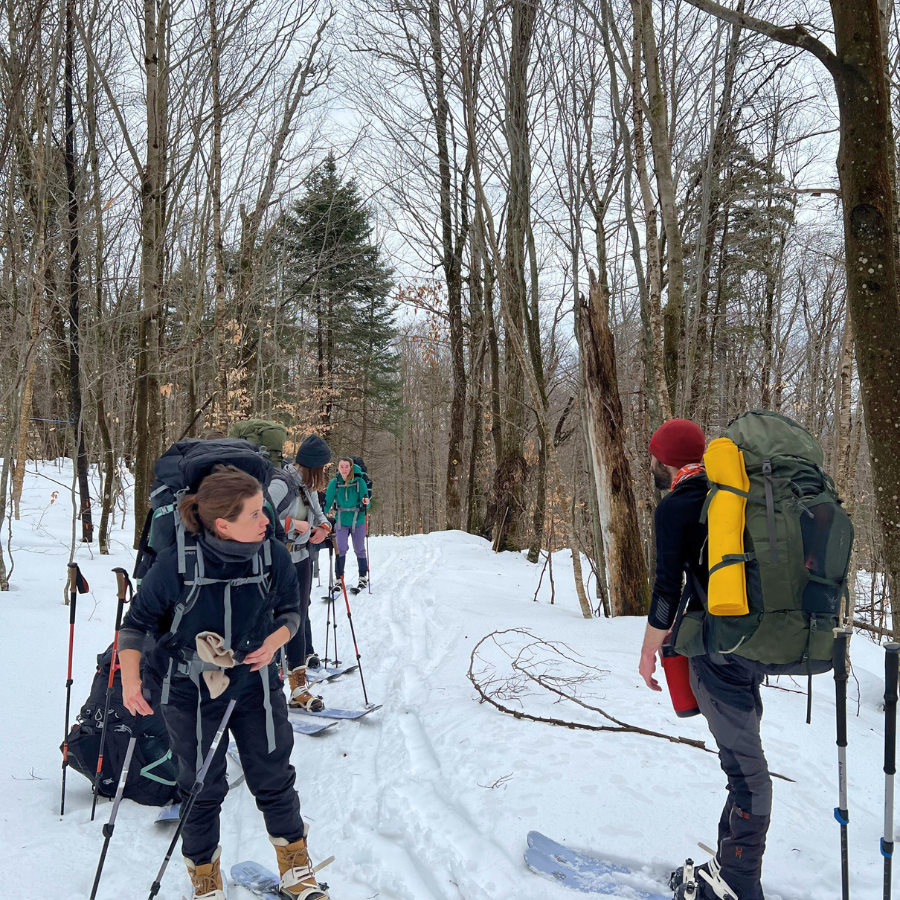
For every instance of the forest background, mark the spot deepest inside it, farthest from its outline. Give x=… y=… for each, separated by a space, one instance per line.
x=487 y=247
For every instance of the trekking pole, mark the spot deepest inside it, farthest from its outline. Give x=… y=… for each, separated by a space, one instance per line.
x=362 y=680
x=77 y=585
x=123 y=589
x=328 y=630
x=188 y=805
x=111 y=824
x=841 y=812
x=891 y=657
x=368 y=558
x=337 y=660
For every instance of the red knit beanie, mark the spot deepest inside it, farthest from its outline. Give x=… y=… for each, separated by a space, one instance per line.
x=678 y=442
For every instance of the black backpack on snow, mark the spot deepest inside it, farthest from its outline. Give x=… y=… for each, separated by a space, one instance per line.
x=153 y=770
x=357 y=460
x=182 y=467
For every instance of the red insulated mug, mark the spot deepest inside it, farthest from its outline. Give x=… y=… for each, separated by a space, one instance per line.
x=678 y=679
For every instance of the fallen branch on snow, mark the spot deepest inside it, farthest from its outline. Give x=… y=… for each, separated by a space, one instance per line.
x=526 y=663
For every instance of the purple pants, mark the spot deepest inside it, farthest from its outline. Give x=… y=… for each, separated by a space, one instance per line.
x=343 y=534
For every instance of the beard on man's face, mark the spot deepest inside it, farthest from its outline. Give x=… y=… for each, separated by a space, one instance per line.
x=662 y=478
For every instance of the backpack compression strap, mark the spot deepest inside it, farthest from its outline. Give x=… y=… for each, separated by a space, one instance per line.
x=197 y=579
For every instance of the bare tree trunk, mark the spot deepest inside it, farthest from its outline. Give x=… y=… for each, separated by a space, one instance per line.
x=215 y=187
x=658 y=117
x=511 y=466
x=531 y=314
x=37 y=290
x=626 y=573
x=76 y=417
x=4 y=482
x=478 y=347
x=147 y=364
x=650 y=293
x=109 y=457
x=452 y=264
x=841 y=465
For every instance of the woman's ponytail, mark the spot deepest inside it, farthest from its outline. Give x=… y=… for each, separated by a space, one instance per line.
x=190 y=513
x=221 y=495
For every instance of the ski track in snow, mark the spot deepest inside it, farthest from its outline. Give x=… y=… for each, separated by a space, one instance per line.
x=403 y=797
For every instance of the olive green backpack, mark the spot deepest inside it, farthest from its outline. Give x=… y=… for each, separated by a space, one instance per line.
x=797 y=543
x=263 y=433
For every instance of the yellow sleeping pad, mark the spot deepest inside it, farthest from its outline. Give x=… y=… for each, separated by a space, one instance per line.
x=727 y=592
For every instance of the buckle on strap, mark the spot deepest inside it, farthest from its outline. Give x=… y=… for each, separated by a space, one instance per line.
x=195 y=666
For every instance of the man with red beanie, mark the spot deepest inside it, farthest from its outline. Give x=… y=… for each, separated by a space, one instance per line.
x=726 y=686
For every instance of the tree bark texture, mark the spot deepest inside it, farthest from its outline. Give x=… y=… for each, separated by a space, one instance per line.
x=658 y=117
x=511 y=466
x=147 y=414
x=864 y=167
x=626 y=572
x=451 y=261
x=76 y=418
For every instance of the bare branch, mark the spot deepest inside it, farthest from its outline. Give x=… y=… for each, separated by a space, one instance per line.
x=796 y=36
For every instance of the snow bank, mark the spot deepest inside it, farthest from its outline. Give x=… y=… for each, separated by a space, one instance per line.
x=431 y=797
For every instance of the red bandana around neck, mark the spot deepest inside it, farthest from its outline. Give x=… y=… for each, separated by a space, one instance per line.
x=688 y=471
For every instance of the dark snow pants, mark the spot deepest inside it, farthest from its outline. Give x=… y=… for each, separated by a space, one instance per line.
x=728 y=696
x=270 y=776
x=301 y=645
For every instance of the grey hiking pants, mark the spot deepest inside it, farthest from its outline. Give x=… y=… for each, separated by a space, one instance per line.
x=728 y=696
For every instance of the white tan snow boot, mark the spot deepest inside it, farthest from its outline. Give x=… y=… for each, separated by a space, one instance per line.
x=206 y=879
x=298 y=876
x=301 y=698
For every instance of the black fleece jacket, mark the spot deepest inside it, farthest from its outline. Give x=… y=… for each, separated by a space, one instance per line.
x=680 y=546
x=255 y=614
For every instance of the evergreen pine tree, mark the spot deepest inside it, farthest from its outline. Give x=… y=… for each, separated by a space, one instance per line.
x=337 y=274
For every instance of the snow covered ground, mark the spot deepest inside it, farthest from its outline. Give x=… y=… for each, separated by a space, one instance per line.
x=431 y=797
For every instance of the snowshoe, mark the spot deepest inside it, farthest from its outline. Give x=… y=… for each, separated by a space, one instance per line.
x=702 y=882
x=301 y=697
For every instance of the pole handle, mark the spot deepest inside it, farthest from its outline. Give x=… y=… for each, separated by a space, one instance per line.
x=839 y=662
x=73 y=591
x=839 y=657
x=891 y=668
x=891 y=660
x=123 y=584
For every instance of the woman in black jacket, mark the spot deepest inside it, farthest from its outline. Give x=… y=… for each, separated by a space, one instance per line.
x=220 y=605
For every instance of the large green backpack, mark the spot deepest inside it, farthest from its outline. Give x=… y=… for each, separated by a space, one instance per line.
x=263 y=433
x=797 y=543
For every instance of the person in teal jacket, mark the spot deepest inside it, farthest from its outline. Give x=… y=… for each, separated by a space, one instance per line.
x=348 y=492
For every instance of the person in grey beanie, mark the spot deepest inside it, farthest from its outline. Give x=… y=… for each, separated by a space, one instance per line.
x=304 y=524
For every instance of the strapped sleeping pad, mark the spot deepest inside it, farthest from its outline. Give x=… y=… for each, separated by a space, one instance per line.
x=797 y=543
x=182 y=467
x=153 y=770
